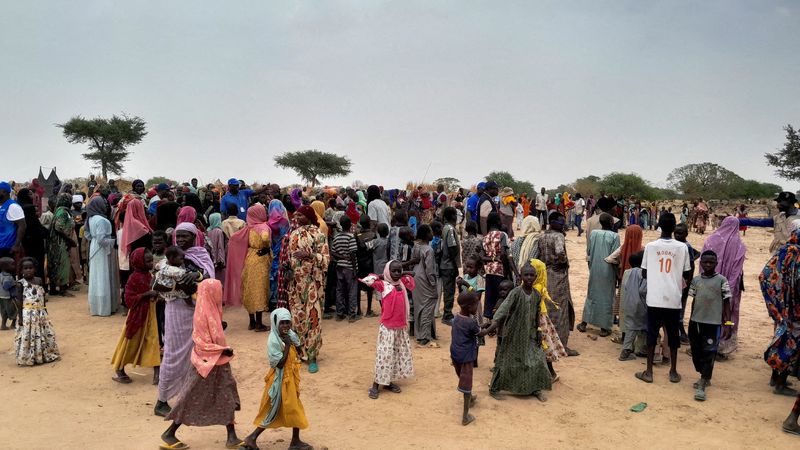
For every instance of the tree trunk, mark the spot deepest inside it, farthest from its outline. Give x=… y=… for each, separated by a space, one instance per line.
x=104 y=169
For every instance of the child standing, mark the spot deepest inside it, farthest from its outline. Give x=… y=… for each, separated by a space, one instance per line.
x=711 y=309
x=665 y=265
x=380 y=249
x=209 y=395
x=393 y=355
x=344 y=252
x=8 y=307
x=472 y=244
x=634 y=297
x=35 y=340
x=473 y=281
x=464 y=348
x=426 y=297
x=280 y=403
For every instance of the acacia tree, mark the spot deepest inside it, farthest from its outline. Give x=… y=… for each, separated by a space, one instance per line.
x=108 y=139
x=787 y=160
x=704 y=180
x=626 y=184
x=505 y=179
x=450 y=184
x=311 y=165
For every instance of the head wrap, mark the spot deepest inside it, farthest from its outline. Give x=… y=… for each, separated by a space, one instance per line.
x=138 y=283
x=274 y=342
x=77 y=198
x=207 y=334
x=187 y=214
x=530 y=232
x=278 y=218
x=310 y=214
x=135 y=225
x=98 y=206
x=632 y=244
x=297 y=198
x=319 y=210
x=214 y=221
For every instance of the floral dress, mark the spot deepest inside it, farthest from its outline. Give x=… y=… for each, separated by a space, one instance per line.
x=35 y=341
x=309 y=275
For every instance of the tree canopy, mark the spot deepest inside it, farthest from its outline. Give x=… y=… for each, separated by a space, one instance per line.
x=158 y=180
x=711 y=180
x=505 y=179
x=311 y=165
x=787 y=160
x=450 y=184
x=108 y=139
x=627 y=184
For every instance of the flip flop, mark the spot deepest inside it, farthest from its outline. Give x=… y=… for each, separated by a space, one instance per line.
x=700 y=395
x=233 y=446
x=313 y=368
x=123 y=380
x=393 y=388
x=642 y=376
x=674 y=378
x=176 y=446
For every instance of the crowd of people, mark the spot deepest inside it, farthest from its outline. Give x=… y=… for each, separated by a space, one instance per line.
x=170 y=257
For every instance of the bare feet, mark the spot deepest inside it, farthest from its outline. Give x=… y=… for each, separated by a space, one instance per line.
x=468 y=419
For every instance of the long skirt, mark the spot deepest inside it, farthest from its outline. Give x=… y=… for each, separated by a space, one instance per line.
x=178 y=345
x=207 y=401
x=283 y=387
x=553 y=349
x=35 y=340
x=393 y=355
x=424 y=316
x=143 y=349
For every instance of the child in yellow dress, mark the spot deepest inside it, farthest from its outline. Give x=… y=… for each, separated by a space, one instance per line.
x=280 y=403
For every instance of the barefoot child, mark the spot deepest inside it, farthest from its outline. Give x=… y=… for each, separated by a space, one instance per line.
x=8 y=308
x=393 y=355
x=711 y=309
x=209 y=395
x=426 y=294
x=280 y=403
x=35 y=341
x=473 y=281
x=551 y=343
x=464 y=348
x=634 y=297
x=138 y=345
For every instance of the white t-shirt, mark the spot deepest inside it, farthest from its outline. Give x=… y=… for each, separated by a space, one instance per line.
x=665 y=261
x=541 y=202
x=580 y=206
x=14 y=212
x=378 y=211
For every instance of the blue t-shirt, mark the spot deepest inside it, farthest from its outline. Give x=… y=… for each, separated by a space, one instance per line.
x=241 y=200
x=464 y=341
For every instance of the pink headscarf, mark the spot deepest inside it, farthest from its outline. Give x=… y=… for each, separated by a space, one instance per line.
x=278 y=219
x=730 y=250
x=135 y=225
x=207 y=334
x=187 y=214
x=237 y=252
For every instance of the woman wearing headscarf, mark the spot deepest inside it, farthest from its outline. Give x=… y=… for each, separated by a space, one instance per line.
x=193 y=200
x=630 y=245
x=33 y=242
x=216 y=244
x=279 y=228
x=296 y=198
x=187 y=214
x=524 y=245
x=138 y=344
x=133 y=232
x=249 y=263
x=308 y=260
x=167 y=212
x=209 y=395
x=730 y=250
x=551 y=343
x=103 y=274
x=62 y=233
x=319 y=210
x=779 y=285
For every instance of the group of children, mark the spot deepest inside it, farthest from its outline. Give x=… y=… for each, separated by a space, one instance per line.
x=652 y=291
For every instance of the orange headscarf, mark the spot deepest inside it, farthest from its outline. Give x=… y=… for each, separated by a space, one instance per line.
x=208 y=336
x=632 y=244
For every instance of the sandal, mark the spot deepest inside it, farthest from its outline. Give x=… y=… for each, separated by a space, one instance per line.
x=373 y=393
x=644 y=376
x=176 y=446
x=241 y=444
x=123 y=380
x=581 y=327
x=675 y=377
x=700 y=394
x=393 y=388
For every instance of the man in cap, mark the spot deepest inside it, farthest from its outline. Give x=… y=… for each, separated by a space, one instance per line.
x=12 y=223
x=239 y=197
x=487 y=205
x=472 y=201
x=781 y=222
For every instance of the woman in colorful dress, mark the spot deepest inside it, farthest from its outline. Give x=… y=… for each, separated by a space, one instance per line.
x=249 y=263
x=138 y=345
x=551 y=343
x=279 y=227
x=497 y=262
x=34 y=341
x=308 y=259
x=62 y=233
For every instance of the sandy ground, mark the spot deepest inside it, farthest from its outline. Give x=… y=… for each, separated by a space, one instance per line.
x=73 y=403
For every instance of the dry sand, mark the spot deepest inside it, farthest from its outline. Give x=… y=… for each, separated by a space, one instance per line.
x=74 y=404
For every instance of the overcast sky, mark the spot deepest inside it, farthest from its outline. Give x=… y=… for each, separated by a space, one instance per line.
x=550 y=91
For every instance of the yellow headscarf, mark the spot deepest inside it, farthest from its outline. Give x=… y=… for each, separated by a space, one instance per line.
x=565 y=198
x=319 y=210
x=540 y=284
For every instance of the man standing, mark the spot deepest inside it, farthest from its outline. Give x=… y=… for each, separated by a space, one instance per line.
x=580 y=208
x=12 y=223
x=541 y=206
x=472 y=202
x=605 y=205
x=239 y=197
x=782 y=222
x=486 y=206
